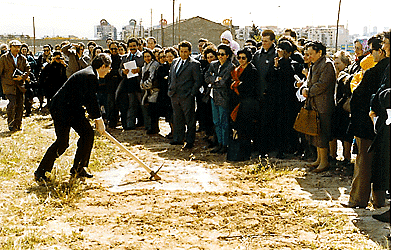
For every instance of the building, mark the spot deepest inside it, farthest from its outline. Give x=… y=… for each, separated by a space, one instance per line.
x=105 y=31
x=325 y=34
x=133 y=29
x=191 y=30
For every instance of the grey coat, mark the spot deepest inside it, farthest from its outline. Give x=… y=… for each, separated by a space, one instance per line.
x=187 y=81
x=220 y=88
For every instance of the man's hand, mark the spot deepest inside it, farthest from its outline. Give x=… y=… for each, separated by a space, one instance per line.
x=304 y=92
x=100 y=126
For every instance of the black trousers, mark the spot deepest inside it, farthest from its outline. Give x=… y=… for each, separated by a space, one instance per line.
x=85 y=143
x=184 y=114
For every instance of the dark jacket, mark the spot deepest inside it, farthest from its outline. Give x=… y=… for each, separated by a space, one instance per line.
x=264 y=62
x=79 y=91
x=132 y=84
x=360 y=122
x=52 y=78
x=187 y=81
x=220 y=88
x=113 y=78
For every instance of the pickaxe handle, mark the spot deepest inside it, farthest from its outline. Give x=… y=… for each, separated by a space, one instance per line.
x=116 y=142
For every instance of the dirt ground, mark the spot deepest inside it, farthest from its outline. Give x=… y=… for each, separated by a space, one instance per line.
x=201 y=202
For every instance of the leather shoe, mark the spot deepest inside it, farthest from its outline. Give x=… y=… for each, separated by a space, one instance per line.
x=176 y=143
x=351 y=205
x=188 y=146
x=81 y=173
x=216 y=149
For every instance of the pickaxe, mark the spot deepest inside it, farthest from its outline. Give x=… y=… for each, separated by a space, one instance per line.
x=151 y=172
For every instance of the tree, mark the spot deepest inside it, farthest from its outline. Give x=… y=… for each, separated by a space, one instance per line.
x=255 y=33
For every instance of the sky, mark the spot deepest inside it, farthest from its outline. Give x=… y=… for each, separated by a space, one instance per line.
x=78 y=18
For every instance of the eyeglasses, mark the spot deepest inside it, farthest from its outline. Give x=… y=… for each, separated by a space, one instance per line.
x=221 y=54
x=46 y=50
x=242 y=58
x=113 y=49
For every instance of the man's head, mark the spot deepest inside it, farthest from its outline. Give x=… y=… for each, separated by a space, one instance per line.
x=133 y=45
x=375 y=45
x=102 y=63
x=151 y=43
x=268 y=39
x=113 y=48
x=315 y=50
x=15 y=47
x=57 y=57
x=185 y=49
x=201 y=42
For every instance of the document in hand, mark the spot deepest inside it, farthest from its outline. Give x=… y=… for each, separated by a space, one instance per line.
x=131 y=65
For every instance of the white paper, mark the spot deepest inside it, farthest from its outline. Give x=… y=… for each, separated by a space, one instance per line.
x=299 y=95
x=131 y=65
x=389 y=119
x=201 y=89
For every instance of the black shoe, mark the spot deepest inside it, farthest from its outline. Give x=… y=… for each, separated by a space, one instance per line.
x=81 y=173
x=188 y=146
x=351 y=205
x=176 y=143
x=385 y=217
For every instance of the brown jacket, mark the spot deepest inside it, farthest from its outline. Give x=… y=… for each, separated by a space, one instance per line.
x=7 y=68
x=321 y=85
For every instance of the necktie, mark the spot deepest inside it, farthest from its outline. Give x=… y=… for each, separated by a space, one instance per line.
x=179 y=65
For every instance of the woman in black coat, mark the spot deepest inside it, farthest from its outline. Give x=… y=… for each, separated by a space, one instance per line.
x=244 y=106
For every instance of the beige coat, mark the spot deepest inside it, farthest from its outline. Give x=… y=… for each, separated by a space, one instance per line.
x=7 y=68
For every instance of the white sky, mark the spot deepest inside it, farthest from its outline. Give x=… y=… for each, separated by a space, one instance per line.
x=78 y=18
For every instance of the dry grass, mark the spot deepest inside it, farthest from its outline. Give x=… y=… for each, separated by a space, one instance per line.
x=268 y=216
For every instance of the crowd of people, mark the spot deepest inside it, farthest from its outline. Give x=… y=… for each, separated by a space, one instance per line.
x=246 y=100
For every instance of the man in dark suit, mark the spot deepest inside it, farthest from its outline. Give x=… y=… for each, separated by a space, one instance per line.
x=67 y=111
x=184 y=81
x=129 y=94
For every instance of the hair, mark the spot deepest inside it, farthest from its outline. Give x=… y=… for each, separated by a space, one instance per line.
x=133 y=40
x=317 y=46
x=285 y=45
x=375 y=43
x=47 y=46
x=24 y=45
x=57 y=53
x=184 y=44
x=291 y=41
x=210 y=49
x=172 y=51
x=121 y=44
x=247 y=52
x=151 y=37
x=269 y=33
x=96 y=48
x=252 y=48
x=292 y=34
x=344 y=56
x=252 y=41
x=202 y=40
x=388 y=35
x=100 y=60
x=90 y=43
x=227 y=49
x=146 y=50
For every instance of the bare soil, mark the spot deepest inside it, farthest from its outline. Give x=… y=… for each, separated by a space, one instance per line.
x=201 y=202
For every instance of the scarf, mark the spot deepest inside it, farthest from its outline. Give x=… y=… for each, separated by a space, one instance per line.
x=234 y=86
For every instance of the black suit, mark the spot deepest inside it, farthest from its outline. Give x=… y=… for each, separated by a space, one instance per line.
x=183 y=86
x=67 y=110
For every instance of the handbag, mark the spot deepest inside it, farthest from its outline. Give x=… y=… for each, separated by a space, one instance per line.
x=307 y=121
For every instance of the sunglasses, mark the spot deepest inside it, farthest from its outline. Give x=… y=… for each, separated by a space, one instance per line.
x=242 y=58
x=221 y=54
